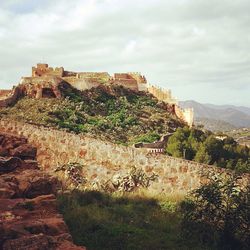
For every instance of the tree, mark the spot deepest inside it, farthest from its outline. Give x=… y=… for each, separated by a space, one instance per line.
x=214 y=148
x=203 y=156
x=178 y=145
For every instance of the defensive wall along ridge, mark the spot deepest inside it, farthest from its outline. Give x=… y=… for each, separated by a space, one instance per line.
x=102 y=160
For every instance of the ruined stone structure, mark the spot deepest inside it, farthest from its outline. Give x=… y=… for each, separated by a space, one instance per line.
x=102 y=160
x=4 y=92
x=8 y=97
x=87 y=80
x=40 y=87
x=45 y=80
x=44 y=70
x=134 y=81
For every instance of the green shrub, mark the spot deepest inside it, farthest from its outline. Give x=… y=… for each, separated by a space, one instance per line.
x=218 y=213
x=148 y=138
x=73 y=176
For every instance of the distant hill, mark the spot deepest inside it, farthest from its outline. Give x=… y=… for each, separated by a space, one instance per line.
x=214 y=125
x=212 y=114
x=239 y=108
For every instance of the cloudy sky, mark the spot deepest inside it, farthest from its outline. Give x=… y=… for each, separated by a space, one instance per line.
x=200 y=49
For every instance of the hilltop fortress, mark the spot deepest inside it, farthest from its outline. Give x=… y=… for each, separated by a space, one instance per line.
x=44 y=82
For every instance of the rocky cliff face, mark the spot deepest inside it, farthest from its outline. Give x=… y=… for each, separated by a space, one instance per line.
x=29 y=219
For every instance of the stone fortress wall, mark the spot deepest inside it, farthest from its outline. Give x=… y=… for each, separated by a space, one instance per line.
x=186 y=114
x=86 y=80
x=45 y=80
x=39 y=87
x=4 y=93
x=165 y=95
x=9 y=97
x=161 y=94
x=103 y=160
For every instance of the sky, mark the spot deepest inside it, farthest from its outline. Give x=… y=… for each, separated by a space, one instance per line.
x=197 y=48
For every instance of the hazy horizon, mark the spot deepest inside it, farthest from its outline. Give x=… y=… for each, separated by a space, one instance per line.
x=198 y=49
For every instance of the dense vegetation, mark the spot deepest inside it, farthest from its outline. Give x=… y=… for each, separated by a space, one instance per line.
x=203 y=147
x=102 y=221
x=107 y=112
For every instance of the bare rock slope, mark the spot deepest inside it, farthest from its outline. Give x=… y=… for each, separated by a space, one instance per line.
x=29 y=218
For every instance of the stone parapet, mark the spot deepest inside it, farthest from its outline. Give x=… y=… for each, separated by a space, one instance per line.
x=102 y=160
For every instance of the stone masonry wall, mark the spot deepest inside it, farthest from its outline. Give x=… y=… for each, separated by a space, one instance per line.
x=186 y=115
x=103 y=160
x=5 y=92
x=161 y=94
x=80 y=83
x=10 y=98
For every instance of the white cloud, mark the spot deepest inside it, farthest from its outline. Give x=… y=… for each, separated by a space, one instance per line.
x=200 y=49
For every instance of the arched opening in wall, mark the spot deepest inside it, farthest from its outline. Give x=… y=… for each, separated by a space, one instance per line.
x=33 y=93
x=173 y=109
x=48 y=93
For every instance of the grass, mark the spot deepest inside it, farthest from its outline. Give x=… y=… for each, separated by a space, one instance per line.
x=101 y=221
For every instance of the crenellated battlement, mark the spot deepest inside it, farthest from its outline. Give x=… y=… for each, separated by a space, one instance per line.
x=165 y=95
x=161 y=94
x=43 y=69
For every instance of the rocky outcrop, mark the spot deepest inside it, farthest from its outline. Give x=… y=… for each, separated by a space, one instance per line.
x=29 y=219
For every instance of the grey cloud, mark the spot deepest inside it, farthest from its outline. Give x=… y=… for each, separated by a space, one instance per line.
x=191 y=46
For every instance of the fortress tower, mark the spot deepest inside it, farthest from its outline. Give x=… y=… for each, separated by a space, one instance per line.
x=43 y=69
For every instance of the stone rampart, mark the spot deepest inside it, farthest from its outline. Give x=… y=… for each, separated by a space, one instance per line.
x=165 y=95
x=186 y=115
x=102 y=160
x=161 y=94
x=10 y=99
x=5 y=92
x=80 y=84
x=127 y=83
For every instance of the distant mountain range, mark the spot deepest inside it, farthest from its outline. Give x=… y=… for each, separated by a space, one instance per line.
x=219 y=117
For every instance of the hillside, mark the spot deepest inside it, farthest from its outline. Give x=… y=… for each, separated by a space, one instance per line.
x=111 y=113
x=236 y=116
x=214 y=125
x=239 y=108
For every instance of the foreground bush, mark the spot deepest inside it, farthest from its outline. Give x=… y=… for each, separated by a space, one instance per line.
x=219 y=213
